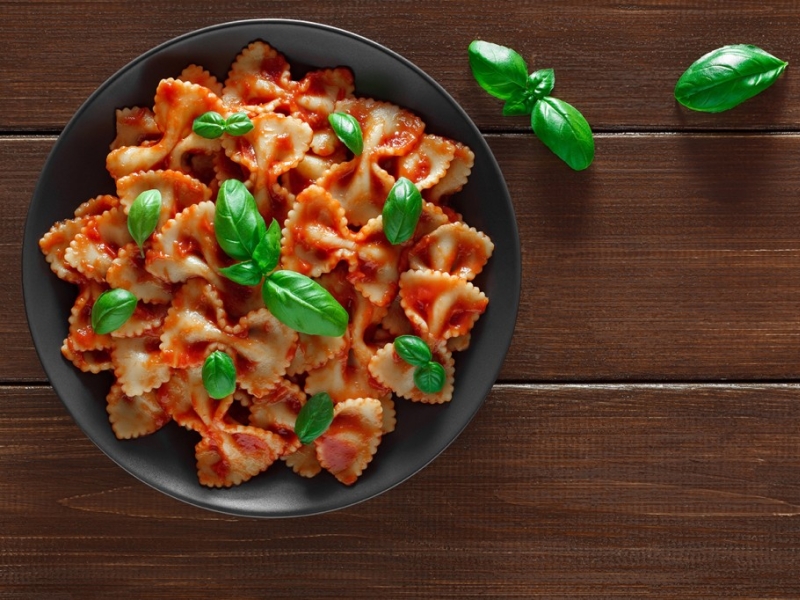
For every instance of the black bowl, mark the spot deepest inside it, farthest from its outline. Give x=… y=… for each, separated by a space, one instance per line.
x=75 y=171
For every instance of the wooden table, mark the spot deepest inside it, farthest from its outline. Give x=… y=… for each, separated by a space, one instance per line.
x=643 y=439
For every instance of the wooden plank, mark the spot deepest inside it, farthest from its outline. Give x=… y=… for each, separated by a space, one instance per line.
x=673 y=257
x=554 y=491
x=617 y=62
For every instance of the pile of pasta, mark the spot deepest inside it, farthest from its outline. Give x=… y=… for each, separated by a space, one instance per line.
x=329 y=203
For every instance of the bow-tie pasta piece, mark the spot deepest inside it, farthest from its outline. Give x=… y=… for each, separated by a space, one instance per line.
x=313 y=351
x=177 y=105
x=138 y=364
x=200 y=76
x=454 y=248
x=92 y=251
x=397 y=375
x=260 y=75
x=128 y=272
x=134 y=416
x=352 y=439
x=376 y=268
x=455 y=178
x=428 y=162
x=136 y=126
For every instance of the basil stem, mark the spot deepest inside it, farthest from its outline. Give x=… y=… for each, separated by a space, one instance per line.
x=430 y=377
x=238 y=124
x=348 y=130
x=726 y=77
x=413 y=350
x=401 y=211
x=143 y=216
x=564 y=130
x=112 y=309
x=314 y=418
x=209 y=125
x=304 y=305
x=219 y=375
x=238 y=225
x=499 y=70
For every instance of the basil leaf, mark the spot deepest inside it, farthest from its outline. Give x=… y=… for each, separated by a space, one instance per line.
x=314 y=418
x=401 y=211
x=304 y=305
x=244 y=273
x=238 y=124
x=497 y=69
x=430 y=377
x=726 y=77
x=219 y=375
x=564 y=130
x=541 y=83
x=413 y=350
x=268 y=251
x=209 y=125
x=347 y=128
x=143 y=216
x=237 y=223
x=112 y=309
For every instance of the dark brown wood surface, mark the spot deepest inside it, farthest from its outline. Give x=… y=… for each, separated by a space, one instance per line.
x=643 y=439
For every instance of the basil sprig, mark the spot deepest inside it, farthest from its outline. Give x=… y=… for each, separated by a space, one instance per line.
x=348 y=130
x=212 y=125
x=295 y=300
x=112 y=309
x=219 y=375
x=726 y=77
x=143 y=216
x=503 y=73
x=401 y=211
x=314 y=418
x=429 y=375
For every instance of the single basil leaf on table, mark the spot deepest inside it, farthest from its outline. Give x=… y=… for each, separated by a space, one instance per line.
x=143 y=216
x=499 y=70
x=238 y=124
x=401 y=211
x=430 y=377
x=219 y=375
x=246 y=272
x=112 y=309
x=314 y=418
x=564 y=130
x=304 y=305
x=348 y=130
x=238 y=225
x=209 y=125
x=726 y=77
x=412 y=349
x=267 y=252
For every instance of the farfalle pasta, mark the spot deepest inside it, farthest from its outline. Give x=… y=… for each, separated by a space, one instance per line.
x=328 y=204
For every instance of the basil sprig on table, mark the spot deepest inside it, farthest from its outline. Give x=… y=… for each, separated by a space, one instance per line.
x=401 y=211
x=348 y=130
x=143 y=216
x=314 y=418
x=294 y=299
x=503 y=73
x=219 y=375
x=429 y=375
x=112 y=309
x=212 y=125
x=726 y=77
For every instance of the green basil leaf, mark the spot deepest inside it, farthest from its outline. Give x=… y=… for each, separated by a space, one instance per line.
x=499 y=70
x=244 y=273
x=304 y=305
x=430 y=377
x=237 y=223
x=238 y=124
x=520 y=103
x=347 y=128
x=143 y=216
x=564 y=130
x=413 y=350
x=209 y=125
x=401 y=211
x=541 y=83
x=219 y=375
x=112 y=309
x=727 y=77
x=314 y=418
x=267 y=253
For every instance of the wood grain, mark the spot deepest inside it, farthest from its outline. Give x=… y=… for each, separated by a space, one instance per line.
x=553 y=491
x=616 y=61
